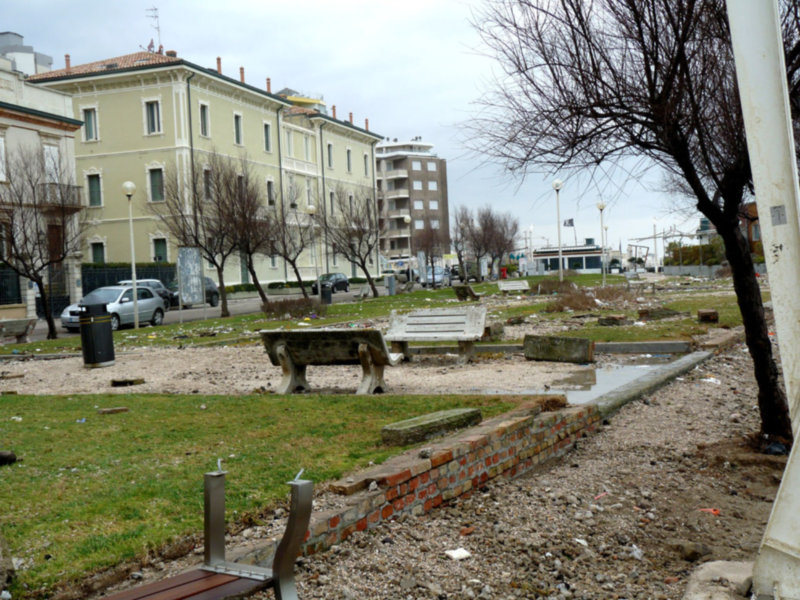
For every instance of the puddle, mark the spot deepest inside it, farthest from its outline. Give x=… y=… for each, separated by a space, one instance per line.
x=585 y=385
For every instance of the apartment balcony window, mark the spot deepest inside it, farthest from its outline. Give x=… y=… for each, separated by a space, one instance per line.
x=152 y=113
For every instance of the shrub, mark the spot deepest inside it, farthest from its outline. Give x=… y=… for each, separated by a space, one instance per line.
x=296 y=308
x=240 y=287
x=552 y=285
x=613 y=293
x=572 y=300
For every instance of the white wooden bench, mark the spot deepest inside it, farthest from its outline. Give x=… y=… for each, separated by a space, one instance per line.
x=17 y=328
x=465 y=292
x=462 y=324
x=294 y=350
x=513 y=285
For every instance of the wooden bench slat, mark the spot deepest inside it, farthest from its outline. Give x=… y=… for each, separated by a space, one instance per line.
x=233 y=589
x=167 y=586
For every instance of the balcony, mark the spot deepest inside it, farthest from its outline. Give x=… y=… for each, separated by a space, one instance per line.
x=395 y=174
x=398 y=213
x=394 y=194
x=57 y=197
x=400 y=232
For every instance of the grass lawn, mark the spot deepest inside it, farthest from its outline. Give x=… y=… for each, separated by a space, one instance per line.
x=92 y=490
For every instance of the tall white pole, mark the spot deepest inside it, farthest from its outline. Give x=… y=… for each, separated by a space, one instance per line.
x=557 y=184
x=601 y=206
x=655 y=249
x=129 y=188
x=761 y=75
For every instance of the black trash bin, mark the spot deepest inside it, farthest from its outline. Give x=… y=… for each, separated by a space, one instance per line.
x=96 y=338
x=326 y=294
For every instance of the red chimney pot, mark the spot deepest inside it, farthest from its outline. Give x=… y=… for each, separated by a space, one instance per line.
x=366 y=124
x=333 y=110
x=269 y=85
x=351 y=118
x=219 y=65
x=241 y=74
x=67 y=62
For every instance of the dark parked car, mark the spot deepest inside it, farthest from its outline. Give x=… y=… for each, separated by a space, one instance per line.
x=212 y=292
x=337 y=281
x=155 y=285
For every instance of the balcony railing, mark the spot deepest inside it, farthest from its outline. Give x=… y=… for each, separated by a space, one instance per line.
x=398 y=213
x=400 y=232
x=395 y=174
x=397 y=193
x=60 y=196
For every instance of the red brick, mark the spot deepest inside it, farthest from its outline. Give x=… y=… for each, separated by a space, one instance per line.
x=307 y=535
x=452 y=479
x=432 y=488
x=462 y=461
x=374 y=517
x=398 y=505
x=437 y=500
x=334 y=522
x=387 y=511
x=361 y=524
x=403 y=489
x=495 y=459
x=413 y=484
x=348 y=531
x=443 y=483
x=440 y=457
x=410 y=499
x=396 y=478
x=391 y=494
x=488 y=461
x=422 y=494
x=425 y=477
x=428 y=505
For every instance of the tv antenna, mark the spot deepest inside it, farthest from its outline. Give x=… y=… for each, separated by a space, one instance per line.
x=154 y=15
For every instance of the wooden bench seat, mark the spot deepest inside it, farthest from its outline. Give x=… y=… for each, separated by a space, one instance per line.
x=462 y=324
x=513 y=285
x=196 y=585
x=294 y=350
x=17 y=328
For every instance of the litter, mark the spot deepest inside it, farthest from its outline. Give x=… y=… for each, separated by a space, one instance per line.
x=713 y=511
x=458 y=554
x=601 y=495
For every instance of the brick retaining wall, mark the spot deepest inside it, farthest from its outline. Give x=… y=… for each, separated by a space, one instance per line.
x=509 y=446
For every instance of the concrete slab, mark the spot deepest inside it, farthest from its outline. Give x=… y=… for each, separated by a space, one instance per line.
x=720 y=580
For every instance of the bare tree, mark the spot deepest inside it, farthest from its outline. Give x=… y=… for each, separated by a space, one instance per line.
x=40 y=213
x=504 y=229
x=591 y=83
x=459 y=235
x=196 y=211
x=253 y=222
x=293 y=231
x=432 y=242
x=351 y=228
x=479 y=234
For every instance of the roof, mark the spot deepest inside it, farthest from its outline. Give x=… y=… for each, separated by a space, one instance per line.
x=108 y=65
x=71 y=123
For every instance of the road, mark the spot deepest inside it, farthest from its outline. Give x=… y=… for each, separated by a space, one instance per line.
x=243 y=306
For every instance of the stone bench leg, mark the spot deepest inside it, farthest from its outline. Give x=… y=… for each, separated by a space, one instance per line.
x=372 y=373
x=294 y=376
x=465 y=351
x=402 y=348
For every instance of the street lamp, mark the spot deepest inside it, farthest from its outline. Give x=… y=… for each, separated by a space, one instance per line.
x=600 y=206
x=605 y=240
x=312 y=210
x=129 y=189
x=557 y=185
x=407 y=221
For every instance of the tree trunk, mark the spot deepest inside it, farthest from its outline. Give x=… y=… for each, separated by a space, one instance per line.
x=52 y=332
x=223 y=296
x=252 y=270
x=772 y=404
x=370 y=280
x=300 y=281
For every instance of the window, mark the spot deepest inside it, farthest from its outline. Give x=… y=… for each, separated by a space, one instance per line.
x=52 y=163
x=434 y=223
x=419 y=205
x=307 y=147
x=349 y=161
x=267 y=137
x=207 y=189
x=756 y=232
x=431 y=165
x=418 y=224
x=2 y=158
x=308 y=193
x=289 y=143
x=98 y=250
x=433 y=186
x=270 y=193
x=366 y=165
x=433 y=205
x=330 y=155
x=152 y=111
x=90 y=125
x=350 y=203
x=333 y=203
x=95 y=193
x=204 y=120
x=416 y=165
x=237 y=130
x=156 y=185
x=417 y=185
x=159 y=250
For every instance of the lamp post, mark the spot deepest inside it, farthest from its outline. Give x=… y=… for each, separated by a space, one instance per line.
x=605 y=240
x=600 y=206
x=407 y=221
x=557 y=185
x=129 y=189
x=312 y=210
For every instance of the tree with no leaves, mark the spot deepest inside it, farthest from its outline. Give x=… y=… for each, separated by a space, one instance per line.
x=351 y=228
x=432 y=242
x=40 y=220
x=588 y=83
x=459 y=236
x=293 y=232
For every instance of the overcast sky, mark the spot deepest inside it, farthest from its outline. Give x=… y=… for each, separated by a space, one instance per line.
x=412 y=68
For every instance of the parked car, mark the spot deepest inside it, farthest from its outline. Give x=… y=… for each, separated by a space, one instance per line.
x=119 y=304
x=438 y=276
x=212 y=292
x=337 y=281
x=155 y=285
x=472 y=270
x=402 y=275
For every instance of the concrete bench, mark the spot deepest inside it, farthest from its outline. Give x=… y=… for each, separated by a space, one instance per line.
x=218 y=579
x=17 y=328
x=465 y=292
x=464 y=325
x=294 y=350
x=513 y=285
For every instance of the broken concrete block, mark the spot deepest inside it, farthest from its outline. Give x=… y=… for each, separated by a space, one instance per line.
x=558 y=349
x=425 y=426
x=613 y=320
x=707 y=315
